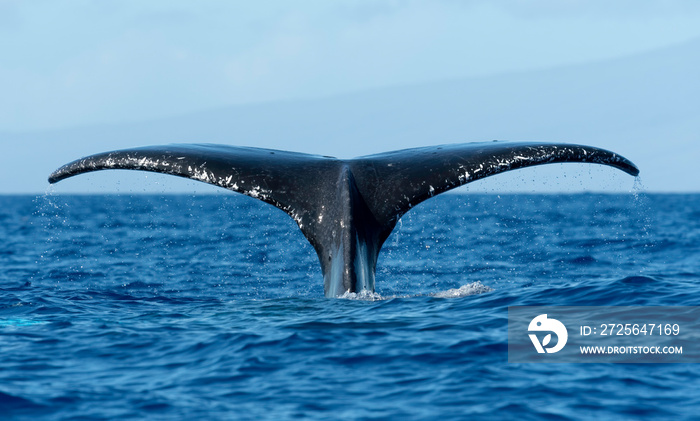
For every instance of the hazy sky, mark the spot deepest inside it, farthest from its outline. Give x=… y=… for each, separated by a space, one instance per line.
x=68 y=64
x=78 y=62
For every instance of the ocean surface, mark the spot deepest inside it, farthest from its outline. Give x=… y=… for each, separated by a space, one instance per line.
x=147 y=307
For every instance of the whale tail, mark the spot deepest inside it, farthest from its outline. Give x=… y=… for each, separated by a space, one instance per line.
x=345 y=208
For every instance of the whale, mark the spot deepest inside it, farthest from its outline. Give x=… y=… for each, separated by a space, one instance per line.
x=346 y=208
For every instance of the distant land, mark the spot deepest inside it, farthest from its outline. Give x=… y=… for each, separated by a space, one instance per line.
x=645 y=107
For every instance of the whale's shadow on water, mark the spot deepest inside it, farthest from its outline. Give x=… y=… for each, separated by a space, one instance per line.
x=346 y=209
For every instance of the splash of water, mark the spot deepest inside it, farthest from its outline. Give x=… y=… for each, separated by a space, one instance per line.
x=638 y=187
x=362 y=296
x=465 y=290
x=473 y=288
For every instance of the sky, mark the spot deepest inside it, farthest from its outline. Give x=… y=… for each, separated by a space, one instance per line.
x=68 y=65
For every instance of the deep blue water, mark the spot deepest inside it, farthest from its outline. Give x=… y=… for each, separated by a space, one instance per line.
x=212 y=307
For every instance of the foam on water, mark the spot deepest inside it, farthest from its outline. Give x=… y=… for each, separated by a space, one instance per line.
x=464 y=291
x=362 y=296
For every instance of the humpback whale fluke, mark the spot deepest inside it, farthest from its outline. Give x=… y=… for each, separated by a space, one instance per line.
x=346 y=208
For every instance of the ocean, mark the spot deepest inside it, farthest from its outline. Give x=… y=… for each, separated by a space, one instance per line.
x=161 y=307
